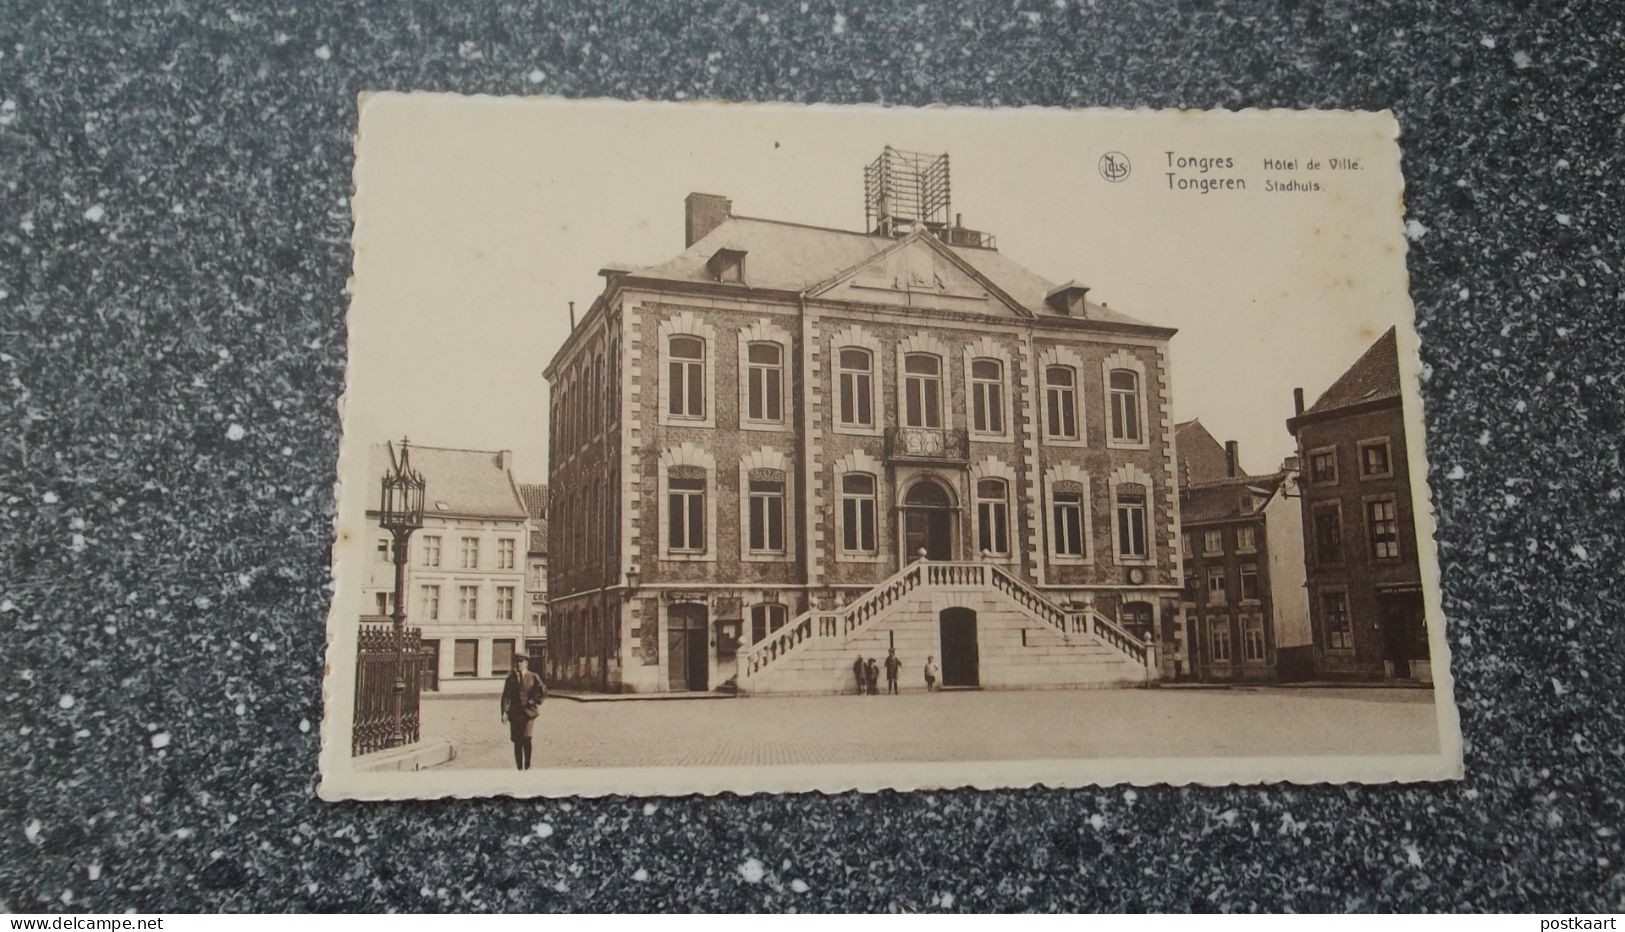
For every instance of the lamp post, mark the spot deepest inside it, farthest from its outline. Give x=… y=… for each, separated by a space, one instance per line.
x=400 y=512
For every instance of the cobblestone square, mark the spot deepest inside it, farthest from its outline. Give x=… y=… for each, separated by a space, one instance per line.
x=949 y=726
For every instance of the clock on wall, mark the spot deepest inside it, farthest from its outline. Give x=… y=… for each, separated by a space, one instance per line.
x=1136 y=575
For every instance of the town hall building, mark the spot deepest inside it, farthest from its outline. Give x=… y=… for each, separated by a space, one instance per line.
x=789 y=446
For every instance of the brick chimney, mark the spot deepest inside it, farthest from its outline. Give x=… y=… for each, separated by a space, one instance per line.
x=703 y=213
x=1232 y=455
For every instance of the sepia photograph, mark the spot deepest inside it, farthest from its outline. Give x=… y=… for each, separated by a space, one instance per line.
x=769 y=448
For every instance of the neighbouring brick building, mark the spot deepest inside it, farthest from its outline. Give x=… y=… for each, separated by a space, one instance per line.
x=465 y=574
x=1365 y=582
x=754 y=444
x=1245 y=609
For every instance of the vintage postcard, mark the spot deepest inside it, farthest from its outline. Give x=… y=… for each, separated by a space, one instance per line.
x=772 y=448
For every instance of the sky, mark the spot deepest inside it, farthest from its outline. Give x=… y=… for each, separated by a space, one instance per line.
x=479 y=219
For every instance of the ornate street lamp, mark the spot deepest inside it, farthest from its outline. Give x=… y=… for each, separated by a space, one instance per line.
x=400 y=512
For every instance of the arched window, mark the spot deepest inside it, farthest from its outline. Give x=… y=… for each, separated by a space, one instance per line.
x=1125 y=405
x=987 y=396
x=1060 y=403
x=856 y=368
x=686 y=377
x=1131 y=521
x=598 y=406
x=858 y=513
x=922 y=390
x=764 y=389
x=993 y=517
x=765 y=619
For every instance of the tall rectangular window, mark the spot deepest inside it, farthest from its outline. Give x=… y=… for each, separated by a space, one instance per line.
x=505 y=603
x=431 y=550
x=1066 y=519
x=856 y=378
x=505 y=553
x=1131 y=536
x=1215 y=585
x=1334 y=610
x=1213 y=542
x=1323 y=466
x=765 y=619
x=383 y=550
x=1328 y=535
x=686 y=515
x=1125 y=405
x=1252 y=638
x=686 y=377
x=430 y=599
x=471 y=553
x=1185 y=545
x=992 y=517
x=987 y=396
x=764 y=382
x=858 y=513
x=1219 y=637
x=922 y=390
x=1249 y=582
x=468 y=603
x=465 y=658
x=1382 y=524
x=766 y=516
x=1060 y=403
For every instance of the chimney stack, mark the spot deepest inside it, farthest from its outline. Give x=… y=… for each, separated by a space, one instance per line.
x=703 y=213
x=1231 y=455
x=1297 y=402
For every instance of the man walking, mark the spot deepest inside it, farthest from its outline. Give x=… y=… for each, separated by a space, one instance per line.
x=522 y=695
x=931 y=674
x=894 y=666
x=873 y=673
x=860 y=673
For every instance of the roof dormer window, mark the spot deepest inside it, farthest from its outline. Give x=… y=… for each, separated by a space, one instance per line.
x=728 y=265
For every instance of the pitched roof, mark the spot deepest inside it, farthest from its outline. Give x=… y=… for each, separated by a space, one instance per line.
x=1216 y=501
x=534 y=495
x=1374 y=376
x=794 y=257
x=1200 y=456
x=472 y=483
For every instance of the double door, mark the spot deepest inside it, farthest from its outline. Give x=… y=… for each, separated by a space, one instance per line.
x=686 y=648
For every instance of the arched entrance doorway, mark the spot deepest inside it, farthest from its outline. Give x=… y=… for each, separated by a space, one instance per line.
x=928 y=521
x=961 y=660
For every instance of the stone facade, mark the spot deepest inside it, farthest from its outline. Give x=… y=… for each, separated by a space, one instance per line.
x=730 y=452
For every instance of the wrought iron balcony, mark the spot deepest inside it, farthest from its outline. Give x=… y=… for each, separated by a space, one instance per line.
x=927 y=445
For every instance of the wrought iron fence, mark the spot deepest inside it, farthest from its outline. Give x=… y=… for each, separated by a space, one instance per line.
x=377 y=665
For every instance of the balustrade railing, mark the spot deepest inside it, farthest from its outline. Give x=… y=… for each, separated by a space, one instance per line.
x=842 y=622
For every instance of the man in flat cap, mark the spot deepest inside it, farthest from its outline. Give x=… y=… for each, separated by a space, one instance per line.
x=522 y=695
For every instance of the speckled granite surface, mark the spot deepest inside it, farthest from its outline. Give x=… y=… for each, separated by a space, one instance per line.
x=173 y=230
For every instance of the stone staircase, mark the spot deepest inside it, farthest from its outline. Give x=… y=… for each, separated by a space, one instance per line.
x=1023 y=640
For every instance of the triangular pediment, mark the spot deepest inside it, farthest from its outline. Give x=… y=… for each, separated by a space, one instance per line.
x=918 y=271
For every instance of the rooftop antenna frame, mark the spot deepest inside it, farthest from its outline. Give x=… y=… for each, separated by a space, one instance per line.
x=901 y=187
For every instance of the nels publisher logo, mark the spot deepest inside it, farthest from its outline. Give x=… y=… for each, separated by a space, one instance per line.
x=1114 y=167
